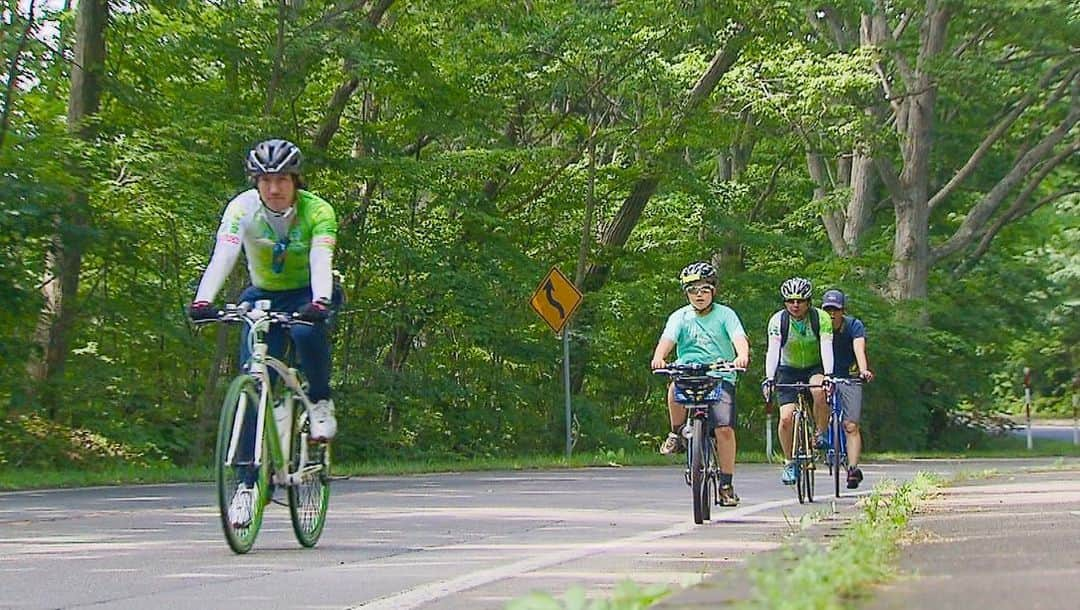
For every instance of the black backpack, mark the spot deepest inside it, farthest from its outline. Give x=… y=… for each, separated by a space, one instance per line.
x=785 y=323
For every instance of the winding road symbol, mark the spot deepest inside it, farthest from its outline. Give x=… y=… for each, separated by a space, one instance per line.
x=555 y=299
x=549 y=292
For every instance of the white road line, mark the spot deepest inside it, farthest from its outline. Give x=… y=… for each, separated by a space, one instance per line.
x=430 y=592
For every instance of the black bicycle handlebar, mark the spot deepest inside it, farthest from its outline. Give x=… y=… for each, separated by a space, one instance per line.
x=676 y=370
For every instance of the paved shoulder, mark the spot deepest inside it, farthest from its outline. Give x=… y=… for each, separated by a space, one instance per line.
x=1002 y=543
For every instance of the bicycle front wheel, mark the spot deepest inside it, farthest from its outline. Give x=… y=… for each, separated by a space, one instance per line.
x=806 y=473
x=233 y=468
x=698 y=487
x=309 y=497
x=798 y=453
x=839 y=459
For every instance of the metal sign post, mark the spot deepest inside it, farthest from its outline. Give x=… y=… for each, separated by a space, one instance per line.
x=1027 y=403
x=566 y=384
x=555 y=300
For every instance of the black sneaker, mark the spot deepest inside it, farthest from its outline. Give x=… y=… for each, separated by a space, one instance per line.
x=727 y=496
x=854 y=477
x=821 y=442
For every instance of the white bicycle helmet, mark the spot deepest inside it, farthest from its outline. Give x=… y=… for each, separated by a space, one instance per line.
x=797 y=288
x=274 y=157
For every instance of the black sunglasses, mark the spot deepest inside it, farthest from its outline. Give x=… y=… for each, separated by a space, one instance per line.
x=794 y=301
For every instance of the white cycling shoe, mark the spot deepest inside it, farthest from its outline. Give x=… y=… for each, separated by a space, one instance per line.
x=242 y=506
x=323 y=423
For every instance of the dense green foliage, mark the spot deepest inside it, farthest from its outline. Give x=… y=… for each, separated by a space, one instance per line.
x=460 y=169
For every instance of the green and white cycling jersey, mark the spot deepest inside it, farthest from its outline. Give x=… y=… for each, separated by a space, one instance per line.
x=704 y=339
x=308 y=234
x=803 y=350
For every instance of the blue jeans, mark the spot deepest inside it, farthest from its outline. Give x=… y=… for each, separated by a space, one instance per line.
x=310 y=342
x=312 y=349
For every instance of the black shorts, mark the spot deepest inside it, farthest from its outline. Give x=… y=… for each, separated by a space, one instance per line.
x=787 y=374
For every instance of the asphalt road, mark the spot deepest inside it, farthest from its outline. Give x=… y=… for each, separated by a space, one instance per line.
x=451 y=541
x=1042 y=431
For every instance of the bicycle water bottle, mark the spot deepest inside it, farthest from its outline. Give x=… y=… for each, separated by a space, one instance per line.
x=283 y=416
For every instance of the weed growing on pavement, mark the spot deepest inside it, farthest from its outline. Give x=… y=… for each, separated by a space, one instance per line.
x=808 y=575
x=628 y=595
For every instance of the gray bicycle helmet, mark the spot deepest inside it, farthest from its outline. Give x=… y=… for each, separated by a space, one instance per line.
x=274 y=157
x=796 y=288
x=695 y=272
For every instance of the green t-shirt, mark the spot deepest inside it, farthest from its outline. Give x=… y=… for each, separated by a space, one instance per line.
x=803 y=349
x=311 y=230
x=704 y=339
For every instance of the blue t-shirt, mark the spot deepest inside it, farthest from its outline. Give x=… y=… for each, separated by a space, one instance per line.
x=704 y=339
x=843 y=345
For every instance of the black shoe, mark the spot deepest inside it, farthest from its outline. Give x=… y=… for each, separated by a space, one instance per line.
x=727 y=496
x=854 y=477
x=821 y=442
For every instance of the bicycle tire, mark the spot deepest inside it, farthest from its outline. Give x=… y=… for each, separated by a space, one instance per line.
x=809 y=464
x=709 y=484
x=798 y=452
x=839 y=457
x=697 y=470
x=240 y=539
x=310 y=497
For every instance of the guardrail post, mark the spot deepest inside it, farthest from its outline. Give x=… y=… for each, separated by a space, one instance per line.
x=1027 y=403
x=1076 y=422
x=768 y=433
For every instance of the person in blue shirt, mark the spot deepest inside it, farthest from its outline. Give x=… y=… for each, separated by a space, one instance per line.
x=849 y=355
x=705 y=332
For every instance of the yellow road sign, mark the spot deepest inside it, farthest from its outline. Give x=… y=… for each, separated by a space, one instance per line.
x=555 y=299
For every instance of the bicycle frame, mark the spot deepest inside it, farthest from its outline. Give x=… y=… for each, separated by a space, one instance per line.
x=836 y=456
x=697 y=388
x=280 y=457
x=259 y=366
x=803 y=450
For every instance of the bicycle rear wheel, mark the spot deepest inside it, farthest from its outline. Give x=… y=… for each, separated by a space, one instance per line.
x=242 y=398
x=310 y=496
x=699 y=488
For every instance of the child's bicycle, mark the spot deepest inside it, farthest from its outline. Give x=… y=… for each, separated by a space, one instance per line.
x=263 y=440
x=836 y=456
x=697 y=387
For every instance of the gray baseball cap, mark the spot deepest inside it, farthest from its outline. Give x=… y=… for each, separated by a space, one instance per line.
x=833 y=299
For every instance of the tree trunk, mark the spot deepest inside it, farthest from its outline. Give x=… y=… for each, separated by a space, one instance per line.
x=910 y=271
x=64 y=258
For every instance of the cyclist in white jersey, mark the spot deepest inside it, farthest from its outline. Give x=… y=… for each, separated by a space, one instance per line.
x=805 y=357
x=288 y=236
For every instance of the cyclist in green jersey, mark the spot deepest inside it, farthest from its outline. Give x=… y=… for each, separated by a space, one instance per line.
x=287 y=235
x=805 y=357
x=704 y=332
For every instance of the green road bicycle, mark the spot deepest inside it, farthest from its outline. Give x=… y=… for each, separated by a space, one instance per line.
x=279 y=454
x=803 y=448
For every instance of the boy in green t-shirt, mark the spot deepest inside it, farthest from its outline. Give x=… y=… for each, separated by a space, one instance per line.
x=704 y=332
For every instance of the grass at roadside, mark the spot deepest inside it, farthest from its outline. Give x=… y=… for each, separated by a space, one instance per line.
x=21 y=479
x=824 y=576
x=804 y=575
